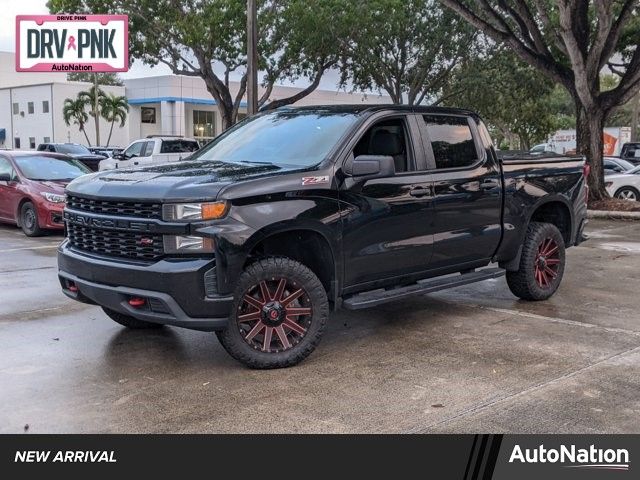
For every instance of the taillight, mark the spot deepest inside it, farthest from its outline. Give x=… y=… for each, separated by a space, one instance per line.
x=586 y=170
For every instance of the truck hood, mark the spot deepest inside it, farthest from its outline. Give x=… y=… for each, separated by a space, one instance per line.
x=181 y=181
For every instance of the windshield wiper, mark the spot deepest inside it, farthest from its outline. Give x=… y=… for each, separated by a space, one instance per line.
x=257 y=163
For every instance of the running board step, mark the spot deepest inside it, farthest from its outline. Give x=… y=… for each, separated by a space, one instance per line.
x=377 y=297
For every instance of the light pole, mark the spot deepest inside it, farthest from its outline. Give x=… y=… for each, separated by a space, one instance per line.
x=252 y=58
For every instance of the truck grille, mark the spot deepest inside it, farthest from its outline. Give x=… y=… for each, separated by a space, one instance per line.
x=124 y=209
x=111 y=243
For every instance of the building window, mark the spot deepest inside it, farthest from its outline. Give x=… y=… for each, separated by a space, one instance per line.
x=16 y=108
x=46 y=140
x=32 y=143
x=45 y=106
x=148 y=115
x=30 y=108
x=16 y=142
x=204 y=125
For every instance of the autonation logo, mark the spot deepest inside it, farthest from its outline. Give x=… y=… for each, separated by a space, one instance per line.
x=573 y=457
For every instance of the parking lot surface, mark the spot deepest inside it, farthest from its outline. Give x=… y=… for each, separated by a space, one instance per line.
x=464 y=360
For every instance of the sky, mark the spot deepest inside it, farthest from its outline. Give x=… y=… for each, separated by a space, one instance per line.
x=11 y=8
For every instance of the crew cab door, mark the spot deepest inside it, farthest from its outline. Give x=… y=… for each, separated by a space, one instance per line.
x=131 y=156
x=387 y=222
x=468 y=189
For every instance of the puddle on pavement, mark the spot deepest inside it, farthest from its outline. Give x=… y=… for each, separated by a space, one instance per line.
x=627 y=247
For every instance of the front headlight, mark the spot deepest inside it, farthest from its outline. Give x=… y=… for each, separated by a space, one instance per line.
x=194 y=211
x=187 y=244
x=53 y=197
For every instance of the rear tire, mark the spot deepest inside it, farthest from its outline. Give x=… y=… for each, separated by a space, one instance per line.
x=628 y=193
x=279 y=314
x=128 y=321
x=541 y=264
x=29 y=220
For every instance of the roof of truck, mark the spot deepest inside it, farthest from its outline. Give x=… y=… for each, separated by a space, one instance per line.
x=357 y=108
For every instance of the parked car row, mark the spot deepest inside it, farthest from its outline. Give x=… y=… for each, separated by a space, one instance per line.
x=32 y=188
x=625 y=186
x=153 y=149
x=32 y=184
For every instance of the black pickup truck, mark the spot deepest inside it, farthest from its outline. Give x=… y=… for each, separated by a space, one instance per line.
x=299 y=211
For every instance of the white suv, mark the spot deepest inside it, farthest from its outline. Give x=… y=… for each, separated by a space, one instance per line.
x=153 y=149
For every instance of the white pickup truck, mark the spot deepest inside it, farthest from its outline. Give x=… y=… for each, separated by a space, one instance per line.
x=153 y=149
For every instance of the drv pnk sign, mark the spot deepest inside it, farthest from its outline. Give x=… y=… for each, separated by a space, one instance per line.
x=72 y=43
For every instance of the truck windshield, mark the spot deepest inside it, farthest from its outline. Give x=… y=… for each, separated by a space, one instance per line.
x=294 y=139
x=48 y=168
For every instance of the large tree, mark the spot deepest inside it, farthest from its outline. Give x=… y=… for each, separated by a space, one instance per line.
x=570 y=41
x=513 y=97
x=207 y=39
x=406 y=48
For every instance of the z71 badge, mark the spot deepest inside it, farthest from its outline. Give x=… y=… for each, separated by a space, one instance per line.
x=315 y=180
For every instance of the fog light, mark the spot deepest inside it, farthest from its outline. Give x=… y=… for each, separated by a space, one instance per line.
x=187 y=244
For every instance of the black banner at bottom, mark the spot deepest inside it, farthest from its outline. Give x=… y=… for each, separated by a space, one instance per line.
x=464 y=457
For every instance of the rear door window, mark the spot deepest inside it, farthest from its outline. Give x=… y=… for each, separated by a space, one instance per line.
x=451 y=140
x=178 y=146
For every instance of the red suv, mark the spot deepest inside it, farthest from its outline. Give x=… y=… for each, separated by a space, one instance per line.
x=32 y=189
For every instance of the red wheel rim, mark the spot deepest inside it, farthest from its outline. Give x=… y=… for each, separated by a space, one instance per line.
x=274 y=315
x=547 y=263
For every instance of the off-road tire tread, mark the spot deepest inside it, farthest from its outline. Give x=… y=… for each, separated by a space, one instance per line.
x=231 y=339
x=522 y=282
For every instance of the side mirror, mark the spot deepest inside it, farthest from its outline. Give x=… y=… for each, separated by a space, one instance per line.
x=365 y=167
x=5 y=177
x=118 y=156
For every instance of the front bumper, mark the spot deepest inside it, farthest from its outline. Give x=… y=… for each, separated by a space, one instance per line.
x=50 y=216
x=173 y=289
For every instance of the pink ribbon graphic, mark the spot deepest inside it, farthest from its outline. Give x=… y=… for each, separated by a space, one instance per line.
x=72 y=43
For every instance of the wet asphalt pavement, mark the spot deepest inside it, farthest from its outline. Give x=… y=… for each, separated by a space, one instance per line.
x=473 y=359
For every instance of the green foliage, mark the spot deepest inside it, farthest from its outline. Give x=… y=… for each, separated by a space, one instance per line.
x=73 y=112
x=513 y=97
x=114 y=108
x=297 y=39
x=406 y=48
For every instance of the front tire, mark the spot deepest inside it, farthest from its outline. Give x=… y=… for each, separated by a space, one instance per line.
x=628 y=193
x=29 y=220
x=541 y=264
x=279 y=315
x=129 y=321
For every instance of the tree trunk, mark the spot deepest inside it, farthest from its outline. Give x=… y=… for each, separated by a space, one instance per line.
x=635 y=117
x=110 y=132
x=86 y=136
x=595 y=124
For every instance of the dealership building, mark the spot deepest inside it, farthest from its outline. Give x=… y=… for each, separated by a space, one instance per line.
x=31 y=107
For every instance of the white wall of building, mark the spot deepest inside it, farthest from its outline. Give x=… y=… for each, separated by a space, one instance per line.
x=28 y=127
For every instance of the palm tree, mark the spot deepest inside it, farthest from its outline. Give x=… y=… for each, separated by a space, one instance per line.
x=114 y=108
x=89 y=98
x=73 y=111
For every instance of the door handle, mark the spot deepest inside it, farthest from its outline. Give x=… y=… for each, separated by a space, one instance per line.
x=135 y=163
x=420 y=192
x=489 y=184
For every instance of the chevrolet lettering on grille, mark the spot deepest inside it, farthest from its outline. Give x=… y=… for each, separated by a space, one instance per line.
x=96 y=222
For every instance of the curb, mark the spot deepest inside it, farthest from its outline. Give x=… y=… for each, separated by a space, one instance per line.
x=612 y=215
